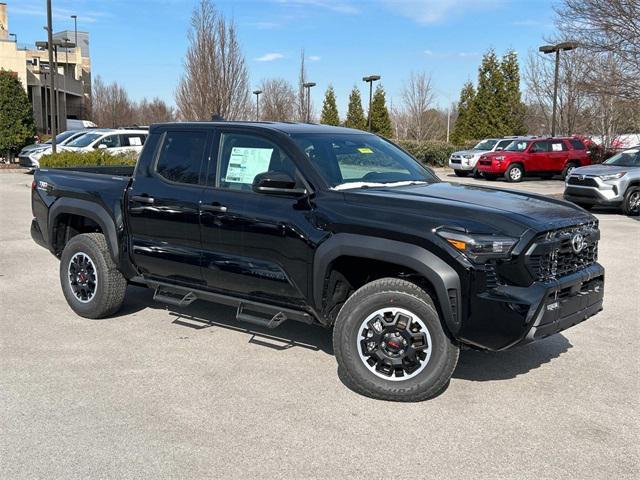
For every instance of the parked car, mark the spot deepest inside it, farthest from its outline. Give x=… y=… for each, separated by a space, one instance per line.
x=113 y=141
x=464 y=162
x=616 y=183
x=327 y=226
x=30 y=156
x=540 y=156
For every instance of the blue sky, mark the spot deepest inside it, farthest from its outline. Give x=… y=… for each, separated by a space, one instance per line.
x=141 y=43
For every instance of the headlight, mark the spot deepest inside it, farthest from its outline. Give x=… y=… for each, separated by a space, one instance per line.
x=613 y=176
x=468 y=157
x=500 y=158
x=479 y=248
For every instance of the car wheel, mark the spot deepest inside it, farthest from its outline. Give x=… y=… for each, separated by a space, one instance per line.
x=568 y=169
x=514 y=173
x=461 y=173
x=91 y=283
x=631 y=204
x=390 y=344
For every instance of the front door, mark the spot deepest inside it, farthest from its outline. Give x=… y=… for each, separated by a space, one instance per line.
x=163 y=204
x=538 y=160
x=254 y=244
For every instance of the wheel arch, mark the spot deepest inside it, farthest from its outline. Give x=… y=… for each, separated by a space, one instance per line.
x=443 y=279
x=84 y=209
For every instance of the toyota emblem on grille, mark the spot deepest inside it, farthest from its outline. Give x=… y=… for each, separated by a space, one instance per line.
x=581 y=177
x=578 y=243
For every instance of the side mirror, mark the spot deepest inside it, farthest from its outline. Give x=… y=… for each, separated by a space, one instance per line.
x=276 y=183
x=102 y=146
x=499 y=149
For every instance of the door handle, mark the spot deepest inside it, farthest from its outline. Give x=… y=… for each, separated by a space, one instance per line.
x=143 y=199
x=214 y=208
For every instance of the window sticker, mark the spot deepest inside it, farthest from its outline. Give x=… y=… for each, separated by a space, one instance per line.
x=245 y=163
x=365 y=150
x=556 y=147
x=135 y=141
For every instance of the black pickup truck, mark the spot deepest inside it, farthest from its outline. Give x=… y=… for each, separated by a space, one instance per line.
x=327 y=226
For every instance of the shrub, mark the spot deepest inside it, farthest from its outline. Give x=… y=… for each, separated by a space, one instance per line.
x=432 y=153
x=95 y=158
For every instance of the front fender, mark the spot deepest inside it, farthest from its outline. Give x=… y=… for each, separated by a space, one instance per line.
x=442 y=276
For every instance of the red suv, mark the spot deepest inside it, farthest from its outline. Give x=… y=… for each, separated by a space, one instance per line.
x=543 y=157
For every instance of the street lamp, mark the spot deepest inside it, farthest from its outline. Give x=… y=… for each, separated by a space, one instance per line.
x=564 y=46
x=75 y=26
x=308 y=86
x=370 y=79
x=257 y=94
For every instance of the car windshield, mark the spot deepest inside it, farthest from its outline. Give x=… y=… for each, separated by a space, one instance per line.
x=361 y=161
x=485 y=145
x=61 y=137
x=85 y=140
x=517 y=146
x=630 y=158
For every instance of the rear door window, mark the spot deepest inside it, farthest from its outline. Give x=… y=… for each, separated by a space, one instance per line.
x=133 y=139
x=577 y=144
x=181 y=156
x=558 y=146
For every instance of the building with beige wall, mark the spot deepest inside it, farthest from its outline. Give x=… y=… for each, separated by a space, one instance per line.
x=72 y=71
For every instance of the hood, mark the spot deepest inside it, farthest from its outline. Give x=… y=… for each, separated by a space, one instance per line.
x=595 y=170
x=477 y=209
x=469 y=152
x=34 y=146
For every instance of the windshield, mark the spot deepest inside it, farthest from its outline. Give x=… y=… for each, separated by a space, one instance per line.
x=85 y=140
x=485 y=145
x=517 y=146
x=630 y=158
x=61 y=137
x=360 y=160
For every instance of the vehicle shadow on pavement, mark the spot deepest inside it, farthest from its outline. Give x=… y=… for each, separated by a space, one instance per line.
x=482 y=366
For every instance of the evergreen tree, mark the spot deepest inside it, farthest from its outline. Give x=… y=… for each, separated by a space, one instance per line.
x=380 y=119
x=355 y=113
x=17 y=128
x=489 y=104
x=515 y=109
x=329 y=114
x=463 y=129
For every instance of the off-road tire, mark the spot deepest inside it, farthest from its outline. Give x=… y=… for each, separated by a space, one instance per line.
x=111 y=284
x=384 y=293
x=511 y=174
x=629 y=197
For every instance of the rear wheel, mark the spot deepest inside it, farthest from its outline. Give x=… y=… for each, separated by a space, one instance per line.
x=91 y=283
x=631 y=204
x=461 y=173
x=568 y=169
x=390 y=344
x=514 y=173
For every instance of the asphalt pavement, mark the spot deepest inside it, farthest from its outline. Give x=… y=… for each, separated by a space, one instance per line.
x=159 y=392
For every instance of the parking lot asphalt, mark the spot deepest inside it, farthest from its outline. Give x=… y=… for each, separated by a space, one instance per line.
x=159 y=392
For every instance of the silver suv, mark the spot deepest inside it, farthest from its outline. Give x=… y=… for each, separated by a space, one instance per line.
x=464 y=162
x=616 y=182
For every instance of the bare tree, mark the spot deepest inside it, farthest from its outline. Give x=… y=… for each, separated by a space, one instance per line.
x=215 y=80
x=111 y=105
x=153 y=111
x=278 y=101
x=417 y=98
x=609 y=29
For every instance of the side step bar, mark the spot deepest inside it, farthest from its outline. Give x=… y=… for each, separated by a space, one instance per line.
x=249 y=311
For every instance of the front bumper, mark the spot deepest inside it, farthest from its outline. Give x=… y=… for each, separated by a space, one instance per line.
x=460 y=163
x=507 y=315
x=492 y=166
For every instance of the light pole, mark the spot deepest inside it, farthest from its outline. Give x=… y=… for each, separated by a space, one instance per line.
x=257 y=94
x=75 y=27
x=370 y=79
x=52 y=73
x=308 y=86
x=564 y=46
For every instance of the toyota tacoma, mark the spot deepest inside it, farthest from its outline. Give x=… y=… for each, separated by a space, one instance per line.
x=327 y=226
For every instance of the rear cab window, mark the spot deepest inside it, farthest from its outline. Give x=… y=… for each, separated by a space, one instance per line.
x=181 y=156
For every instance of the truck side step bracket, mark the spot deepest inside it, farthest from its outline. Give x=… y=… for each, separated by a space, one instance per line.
x=172 y=297
x=267 y=322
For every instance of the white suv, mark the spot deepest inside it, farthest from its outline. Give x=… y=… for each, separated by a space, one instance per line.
x=464 y=162
x=113 y=141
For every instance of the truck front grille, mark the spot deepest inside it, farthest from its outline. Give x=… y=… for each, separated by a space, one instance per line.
x=563 y=252
x=583 y=181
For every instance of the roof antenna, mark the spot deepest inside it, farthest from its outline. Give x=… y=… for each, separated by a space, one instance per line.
x=217 y=118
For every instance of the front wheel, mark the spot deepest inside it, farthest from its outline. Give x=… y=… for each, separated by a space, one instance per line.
x=514 y=173
x=390 y=344
x=631 y=204
x=91 y=283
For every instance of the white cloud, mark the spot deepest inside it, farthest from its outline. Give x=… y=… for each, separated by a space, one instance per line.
x=269 y=57
x=434 y=11
x=314 y=58
x=33 y=9
x=338 y=6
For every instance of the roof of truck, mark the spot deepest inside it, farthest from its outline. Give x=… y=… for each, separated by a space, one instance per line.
x=285 y=127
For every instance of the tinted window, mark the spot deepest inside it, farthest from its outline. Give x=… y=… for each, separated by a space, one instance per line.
x=540 y=147
x=577 y=144
x=559 y=146
x=243 y=156
x=629 y=158
x=84 y=140
x=181 y=156
x=503 y=144
x=112 y=141
x=133 y=139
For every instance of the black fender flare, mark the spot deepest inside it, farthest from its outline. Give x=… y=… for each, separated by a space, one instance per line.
x=442 y=276
x=91 y=210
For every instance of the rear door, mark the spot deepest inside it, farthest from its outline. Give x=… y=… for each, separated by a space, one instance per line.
x=132 y=142
x=163 y=204
x=558 y=155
